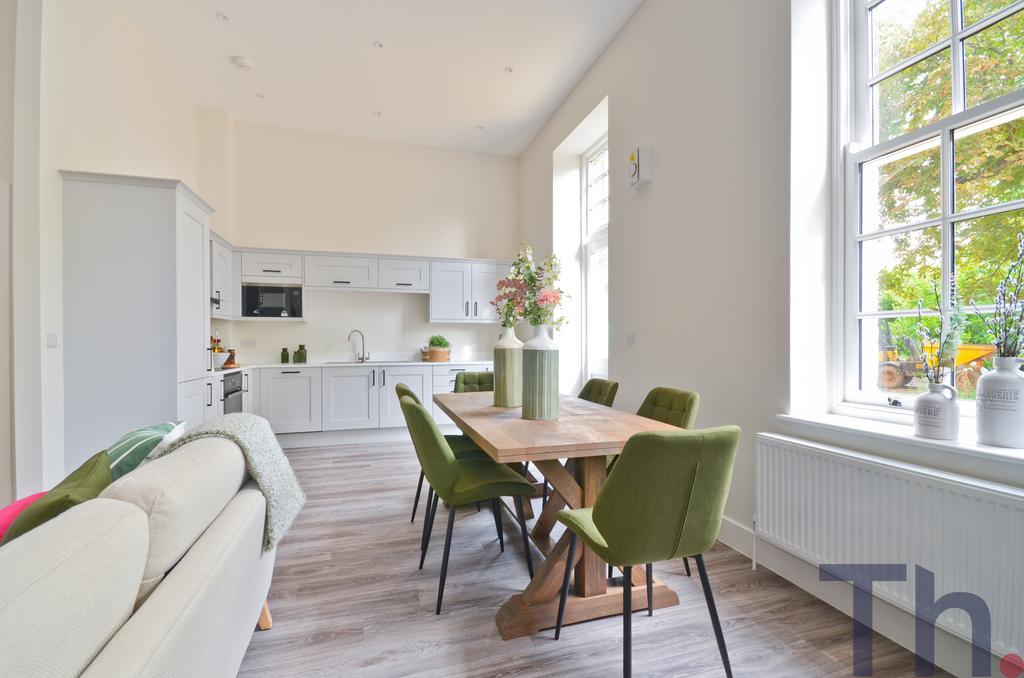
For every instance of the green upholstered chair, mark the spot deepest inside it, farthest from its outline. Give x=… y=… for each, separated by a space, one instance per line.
x=460 y=482
x=462 y=446
x=663 y=500
x=600 y=391
x=671 y=406
x=473 y=382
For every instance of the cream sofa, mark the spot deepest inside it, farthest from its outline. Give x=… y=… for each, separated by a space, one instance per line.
x=162 y=575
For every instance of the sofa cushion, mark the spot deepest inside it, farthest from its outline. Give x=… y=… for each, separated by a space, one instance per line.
x=133 y=448
x=84 y=483
x=182 y=493
x=67 y=586
x=12 y=511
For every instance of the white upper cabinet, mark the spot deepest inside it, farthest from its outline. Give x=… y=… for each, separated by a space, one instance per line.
x=485 y=288
x=341 y=272
x=192 y=282
x=415 y=377
x=461 y=291
x=270 y=266
x=350 y=397
x=451 y=285
x=222 y=286
x=290 y=398
x=404 y=274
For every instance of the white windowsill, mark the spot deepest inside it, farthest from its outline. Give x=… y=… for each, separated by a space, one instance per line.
x=901 y=435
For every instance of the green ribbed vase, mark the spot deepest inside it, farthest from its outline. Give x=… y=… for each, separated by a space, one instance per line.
x=508 y=369
x=540 y=376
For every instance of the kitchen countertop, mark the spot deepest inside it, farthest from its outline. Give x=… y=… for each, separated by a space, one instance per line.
x=349 y=363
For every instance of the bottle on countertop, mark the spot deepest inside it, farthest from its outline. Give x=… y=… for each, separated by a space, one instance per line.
x=300 y=354
x=284 y=356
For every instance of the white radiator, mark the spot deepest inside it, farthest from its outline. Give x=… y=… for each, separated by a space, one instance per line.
x=829 y=505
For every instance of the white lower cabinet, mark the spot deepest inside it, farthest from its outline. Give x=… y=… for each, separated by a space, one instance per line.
x=415 y=377
x=251 y=391
x=350 y=398
x=444 y=382
x=290 y=398
x=199 y=401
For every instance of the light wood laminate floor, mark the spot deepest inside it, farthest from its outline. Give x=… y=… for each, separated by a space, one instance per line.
x=347 y=598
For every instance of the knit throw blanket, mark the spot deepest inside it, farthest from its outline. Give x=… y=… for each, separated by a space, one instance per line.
x=266 y=463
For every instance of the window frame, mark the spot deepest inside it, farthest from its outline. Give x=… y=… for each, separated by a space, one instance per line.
x=590 y=242
x=855 y=127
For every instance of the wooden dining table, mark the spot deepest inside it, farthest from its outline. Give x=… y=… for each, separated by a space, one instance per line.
x=583 y=435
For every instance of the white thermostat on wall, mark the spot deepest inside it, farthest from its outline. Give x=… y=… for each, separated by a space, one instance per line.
x=639 y=169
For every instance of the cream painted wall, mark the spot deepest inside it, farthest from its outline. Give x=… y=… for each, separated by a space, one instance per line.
x=8 y=21
x=309 y=190
x=698 y=257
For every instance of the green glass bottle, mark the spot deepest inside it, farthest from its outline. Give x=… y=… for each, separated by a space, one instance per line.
x=300 y=354
x=284 y=356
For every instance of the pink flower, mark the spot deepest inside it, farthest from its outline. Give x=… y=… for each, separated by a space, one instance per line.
x=548 y=297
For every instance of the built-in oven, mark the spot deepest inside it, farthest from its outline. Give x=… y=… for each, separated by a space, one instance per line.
x=271 y=301
x=232 y=392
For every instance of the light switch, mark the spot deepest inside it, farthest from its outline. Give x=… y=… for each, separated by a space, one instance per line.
x=631 y=340
x=51 y=340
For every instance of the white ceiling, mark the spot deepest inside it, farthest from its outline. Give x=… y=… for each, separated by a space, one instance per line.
x=440 y=74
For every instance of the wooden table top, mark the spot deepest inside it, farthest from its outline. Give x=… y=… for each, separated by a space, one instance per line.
x=584 y=429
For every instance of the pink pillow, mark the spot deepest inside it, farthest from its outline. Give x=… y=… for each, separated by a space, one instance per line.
x=11 y=511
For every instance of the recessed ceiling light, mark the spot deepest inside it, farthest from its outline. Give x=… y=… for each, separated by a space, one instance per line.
x=222 y=16
x=242 y=63
x=378 y=44
x=378 y=113
x=258 y=95
x=508 y=69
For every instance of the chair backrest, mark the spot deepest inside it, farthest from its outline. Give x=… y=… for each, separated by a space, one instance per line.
x=665 y=497
x=403 y=390
x=436 y=458
x=600 y=391
x=671 y=406
x=470 y=382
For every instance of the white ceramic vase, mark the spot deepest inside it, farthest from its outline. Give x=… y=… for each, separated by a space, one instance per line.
x=508 y=369
x=1000 y=406
x=937 y=413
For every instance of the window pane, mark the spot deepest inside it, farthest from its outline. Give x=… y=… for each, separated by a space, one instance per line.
x=916 y=96
x=890 y=360
x=900 y=270
x=995 y=60
x=974 y=355
x=902 y=28
x=902 y=188
x=989 y=162
x=597 y=164
x=597 y=312
x=985 y=248
x=976 y=10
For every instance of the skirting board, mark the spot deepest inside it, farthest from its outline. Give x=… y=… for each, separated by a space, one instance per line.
x=952 y=653
x=399 y=434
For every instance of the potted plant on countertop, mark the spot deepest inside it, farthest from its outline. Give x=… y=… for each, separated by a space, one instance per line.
x=1000 y=396
x=438 y=349
x=510 y=305
x=937 y=412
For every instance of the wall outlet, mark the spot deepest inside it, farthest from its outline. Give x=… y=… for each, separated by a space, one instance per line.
x=51 y=340
x=630 y=340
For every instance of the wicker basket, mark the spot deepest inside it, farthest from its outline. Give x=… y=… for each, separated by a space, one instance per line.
x=436 y=354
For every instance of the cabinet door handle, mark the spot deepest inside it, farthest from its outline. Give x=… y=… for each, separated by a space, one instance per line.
x=475 y=310
x=246 y=378
x=218 y=299
x=271 y=270
x=457 y=369
x=342 y=282
x=373 y=377
x=383 y=378
x=209 y=350
x=209 y=395
x=403 y=284
x=467 y=309
x=291 y=372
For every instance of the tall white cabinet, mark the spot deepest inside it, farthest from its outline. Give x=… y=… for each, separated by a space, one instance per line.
x=136 y=298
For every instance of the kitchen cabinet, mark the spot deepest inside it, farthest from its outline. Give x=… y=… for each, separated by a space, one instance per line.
x=341 y=272
x=222 y=286
x=351 y=397
x=404 y=274
x=192 y=281
x=250 y=391
x=290 y=398
x=461 y=291
x=215 y=401
x=443 y=377
x=416 y=377
x=271 y=267
x=199 y=401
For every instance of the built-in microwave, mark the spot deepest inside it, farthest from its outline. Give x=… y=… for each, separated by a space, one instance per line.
x=271 y=301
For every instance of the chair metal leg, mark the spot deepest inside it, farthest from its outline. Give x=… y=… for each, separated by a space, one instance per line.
x=444 y=561
x=526 y=538
x=564 y=593
x=650 y=589
x=627 y=621
x=497 y=524
x=713 y=611
x=426 y=516
x=416 y=501
x=686 y=564
x=428 y=526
